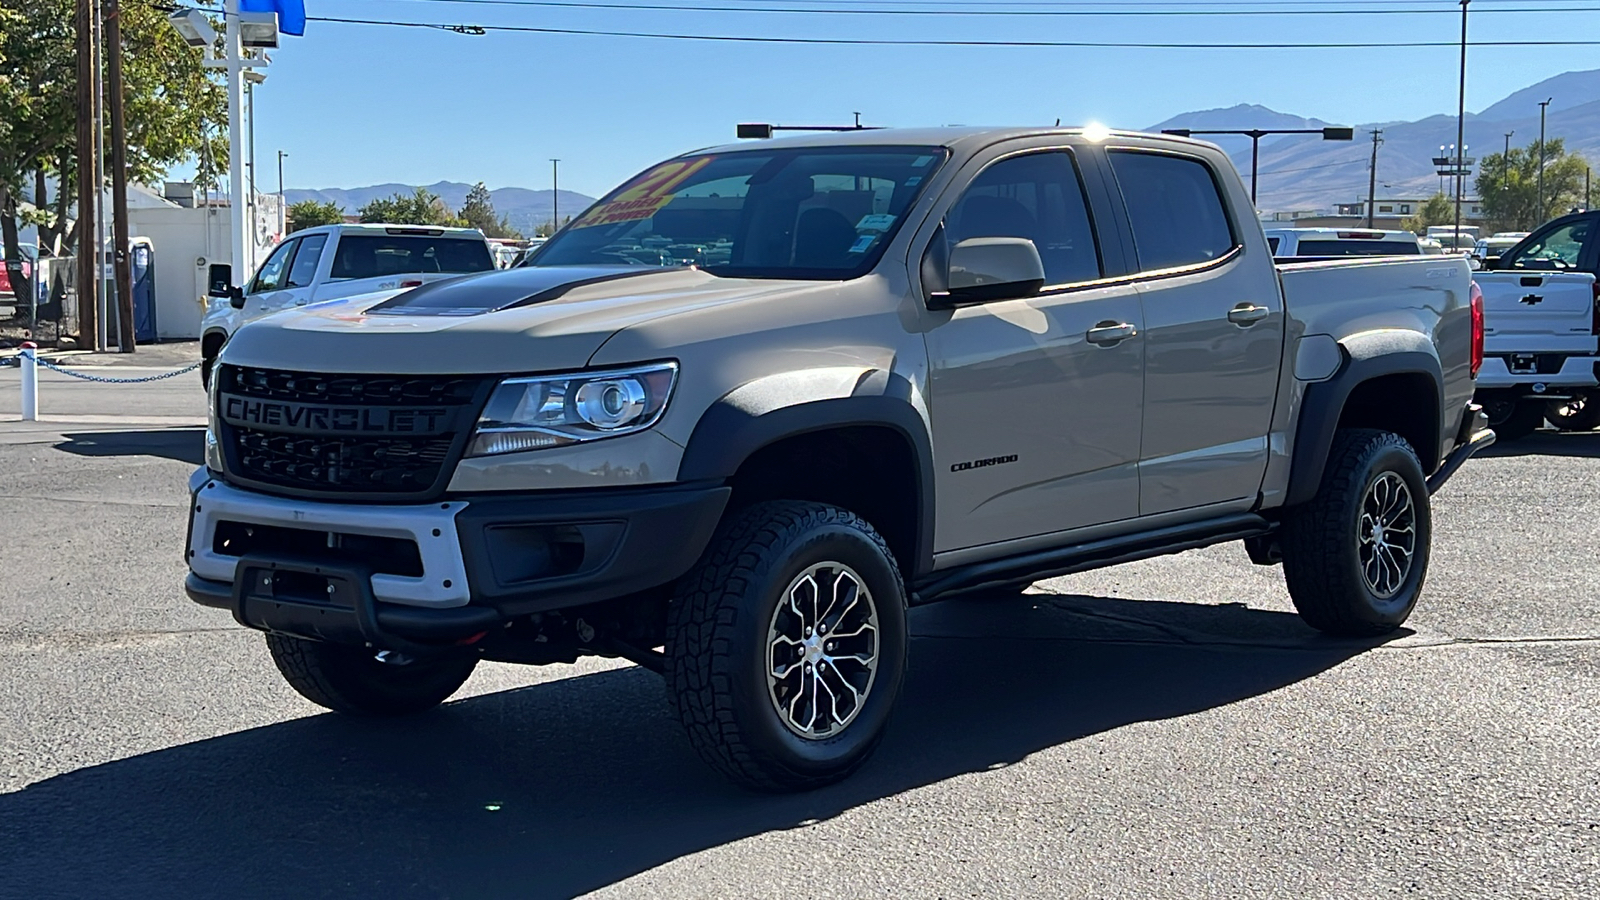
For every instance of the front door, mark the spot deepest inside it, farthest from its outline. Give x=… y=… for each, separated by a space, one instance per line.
x=1213 y=328
x=1035 y=401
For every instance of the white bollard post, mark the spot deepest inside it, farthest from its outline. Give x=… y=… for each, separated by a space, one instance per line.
x=30 y=382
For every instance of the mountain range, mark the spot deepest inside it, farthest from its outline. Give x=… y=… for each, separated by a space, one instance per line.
x=523 y=208
x=1304 y=172
x=1297 y=172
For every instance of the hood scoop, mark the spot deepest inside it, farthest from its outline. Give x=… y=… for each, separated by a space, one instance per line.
x=474 y=295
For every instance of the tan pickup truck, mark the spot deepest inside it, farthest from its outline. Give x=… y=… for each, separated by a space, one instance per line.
x=742 y=413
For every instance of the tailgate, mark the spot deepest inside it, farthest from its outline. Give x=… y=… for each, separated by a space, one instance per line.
x=1537 y=312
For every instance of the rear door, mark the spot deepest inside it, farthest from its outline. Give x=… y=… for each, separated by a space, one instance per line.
x=1213 y=334
x=1542 y=295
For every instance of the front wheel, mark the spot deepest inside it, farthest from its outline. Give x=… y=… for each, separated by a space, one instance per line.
x=786 y=646
x=1581 y=413
x=1356 y=554
x=356 y=680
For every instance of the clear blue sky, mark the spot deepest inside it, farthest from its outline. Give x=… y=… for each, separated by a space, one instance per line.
x=355 y=105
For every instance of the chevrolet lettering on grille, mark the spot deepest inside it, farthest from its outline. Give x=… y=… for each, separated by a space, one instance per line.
x=314 y=418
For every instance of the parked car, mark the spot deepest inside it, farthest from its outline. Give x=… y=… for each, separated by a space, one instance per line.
x=1491 y=247
x=333 y=261
x=932 y=363
x=27 y=263
x=1289 y=242
x=1542 y=329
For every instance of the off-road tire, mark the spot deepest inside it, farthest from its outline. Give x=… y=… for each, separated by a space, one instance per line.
x=1321 y=538
x=1580 y=414
x=1515 y=419
x=718 y=634
x=351 y=680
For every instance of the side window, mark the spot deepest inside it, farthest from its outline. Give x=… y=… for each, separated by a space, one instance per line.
x=271 y=275
x=1558 y=248
x=1176 y=211
x=304 y=268
x=1273 y=243
x=1039 y=197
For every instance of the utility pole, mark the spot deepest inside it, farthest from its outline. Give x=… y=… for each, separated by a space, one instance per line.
x=1461 y=119
x=1372 y=176
x=88 y=191
x=555 y=196
x=1505 y=164
x=1542 y=106
x=119 y=180
x=234 y=63
x=283 y=211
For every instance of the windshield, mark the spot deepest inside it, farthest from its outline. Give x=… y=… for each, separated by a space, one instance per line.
x=375 y=256
x=811 y=213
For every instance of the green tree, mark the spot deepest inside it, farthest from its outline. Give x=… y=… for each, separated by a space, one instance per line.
x=421 y=208
x=1508 y=184
x=1439 y=210
x=310 y=213
x=478 y=212
x=169 y=98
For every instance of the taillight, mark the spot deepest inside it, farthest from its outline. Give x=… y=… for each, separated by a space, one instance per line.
x=1476 y=302
x=1594 y=321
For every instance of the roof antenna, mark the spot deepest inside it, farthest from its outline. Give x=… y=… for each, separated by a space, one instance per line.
x=1058 y=121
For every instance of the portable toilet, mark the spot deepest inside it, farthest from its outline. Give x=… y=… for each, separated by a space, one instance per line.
x=142 y=260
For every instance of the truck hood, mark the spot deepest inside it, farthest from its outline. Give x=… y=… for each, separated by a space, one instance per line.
x=512 y=321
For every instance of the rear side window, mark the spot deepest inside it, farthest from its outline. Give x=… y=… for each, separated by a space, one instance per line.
x=375 y=256
x=1038 y=197
x=1176 y=211
x=304 y=268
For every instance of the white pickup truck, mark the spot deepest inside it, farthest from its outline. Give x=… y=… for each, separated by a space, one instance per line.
x=1541 y=317
x=330 y=262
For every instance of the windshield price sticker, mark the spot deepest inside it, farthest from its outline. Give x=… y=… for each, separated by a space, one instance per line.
x=875 y=222
x=645 y=196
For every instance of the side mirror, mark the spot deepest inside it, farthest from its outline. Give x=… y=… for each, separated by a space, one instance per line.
x=991 y=268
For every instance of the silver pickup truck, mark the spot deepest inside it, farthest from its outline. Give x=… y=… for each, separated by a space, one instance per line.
x=751 y=406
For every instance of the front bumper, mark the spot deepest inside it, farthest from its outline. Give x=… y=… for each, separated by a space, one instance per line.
x=435 y=572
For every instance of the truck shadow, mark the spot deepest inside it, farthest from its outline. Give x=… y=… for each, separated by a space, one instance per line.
x=186 y=445
x=572 y=785
x=1577 y=444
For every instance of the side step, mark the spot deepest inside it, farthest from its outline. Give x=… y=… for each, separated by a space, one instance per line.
x=1081 y=557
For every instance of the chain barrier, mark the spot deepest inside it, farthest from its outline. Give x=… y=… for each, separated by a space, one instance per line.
x=103 y=379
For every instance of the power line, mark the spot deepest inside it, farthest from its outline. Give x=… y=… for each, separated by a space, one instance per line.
x=929 y=42
x=879 y=10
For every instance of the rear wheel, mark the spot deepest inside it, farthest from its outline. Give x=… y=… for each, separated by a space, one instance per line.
x=1513 y=417
x=1356 y=554
x=1581 y=413
x=786 y=646
x=358 y=681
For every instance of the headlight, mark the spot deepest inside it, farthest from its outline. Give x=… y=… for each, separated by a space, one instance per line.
x=555 y=410
x=213 y=448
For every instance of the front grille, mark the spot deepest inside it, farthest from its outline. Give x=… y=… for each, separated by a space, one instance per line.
x=377 y=436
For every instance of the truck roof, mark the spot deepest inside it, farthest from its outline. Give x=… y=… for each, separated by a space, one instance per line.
x=1352 y=234
x=388 y=228
x=954 y=137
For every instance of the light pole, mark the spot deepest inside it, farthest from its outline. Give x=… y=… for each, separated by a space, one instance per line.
x=1331 y=133
x=1542 y=105
x=555 y=196
x=283 y=211
x=1505 y=163
x=1461 y=118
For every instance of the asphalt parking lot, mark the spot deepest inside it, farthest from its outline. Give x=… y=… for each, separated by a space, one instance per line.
x=1166 y=729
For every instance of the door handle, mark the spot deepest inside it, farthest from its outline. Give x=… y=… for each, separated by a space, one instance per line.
x=1109 y=332
x=1247 y=314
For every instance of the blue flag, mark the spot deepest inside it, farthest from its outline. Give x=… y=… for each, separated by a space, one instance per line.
x=291 y=13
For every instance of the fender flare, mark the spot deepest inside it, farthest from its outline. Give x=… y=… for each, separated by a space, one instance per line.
x=734 y=428
x=1366 y=357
